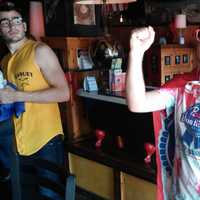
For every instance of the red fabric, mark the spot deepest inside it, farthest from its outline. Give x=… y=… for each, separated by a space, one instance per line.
x=178 y=82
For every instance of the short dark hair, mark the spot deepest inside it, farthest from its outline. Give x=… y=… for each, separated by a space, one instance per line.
x=9 y=6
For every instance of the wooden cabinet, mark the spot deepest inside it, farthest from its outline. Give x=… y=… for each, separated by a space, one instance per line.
x=130 y=175
x=67 y=46
x=93 y=176
x=163 y=62
x=109 y=172
x=99 y=179
x=134 y=188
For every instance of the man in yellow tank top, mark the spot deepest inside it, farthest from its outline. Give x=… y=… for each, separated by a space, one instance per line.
x=35 y=70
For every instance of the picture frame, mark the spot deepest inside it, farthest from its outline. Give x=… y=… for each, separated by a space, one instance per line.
x=93 y=29
x=83 y=59
x=167 y=60
x=177 y=59
x=84 y=14
x=185 y=58
x=59 y=20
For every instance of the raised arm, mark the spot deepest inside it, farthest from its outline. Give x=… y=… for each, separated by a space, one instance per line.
x=58 y=90
x=137 y=98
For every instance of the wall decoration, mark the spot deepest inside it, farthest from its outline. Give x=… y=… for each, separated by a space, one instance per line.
x=192 y=11
x=83 y=59
x=84 y=14
x=65 y=19
x=163 y=12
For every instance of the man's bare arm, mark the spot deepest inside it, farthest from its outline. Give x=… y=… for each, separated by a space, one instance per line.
x=137 y=98
x=49 y=65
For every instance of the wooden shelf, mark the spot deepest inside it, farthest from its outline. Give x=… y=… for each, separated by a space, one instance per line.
x=114 y=157
x=113 y=97
x=130 y=160
x=117 y=97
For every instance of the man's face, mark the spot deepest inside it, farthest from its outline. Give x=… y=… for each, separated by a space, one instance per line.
x=12 y=27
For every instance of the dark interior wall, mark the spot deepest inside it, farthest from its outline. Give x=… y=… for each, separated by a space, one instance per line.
x=59 y=20
x=139 y=13
x=162 y=12
x=142 y=11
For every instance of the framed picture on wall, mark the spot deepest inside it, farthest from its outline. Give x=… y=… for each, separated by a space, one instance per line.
x=84 y=14
x=62 y=18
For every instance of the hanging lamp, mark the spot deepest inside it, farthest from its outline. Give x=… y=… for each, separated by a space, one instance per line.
x=181 y=24
x=103 y=1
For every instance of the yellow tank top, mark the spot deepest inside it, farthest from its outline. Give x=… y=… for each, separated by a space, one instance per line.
x=40 y=122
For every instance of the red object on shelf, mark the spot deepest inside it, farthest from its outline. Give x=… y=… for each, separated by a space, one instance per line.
x=150 y=150
x=100 y=135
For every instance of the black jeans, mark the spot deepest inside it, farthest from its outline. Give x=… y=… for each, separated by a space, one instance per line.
x=5 y=159
x=53 y=151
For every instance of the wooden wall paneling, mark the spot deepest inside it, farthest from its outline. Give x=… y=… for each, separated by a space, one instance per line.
x=75 y=116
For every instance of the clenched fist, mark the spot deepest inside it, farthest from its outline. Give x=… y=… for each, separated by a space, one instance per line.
x=142 y=38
